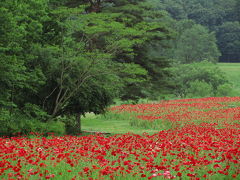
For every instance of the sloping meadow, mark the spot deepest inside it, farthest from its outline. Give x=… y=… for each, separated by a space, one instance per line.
x=218 y=112
x=201 y=141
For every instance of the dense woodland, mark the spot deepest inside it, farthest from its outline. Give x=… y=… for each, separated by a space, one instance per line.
x=60 y=59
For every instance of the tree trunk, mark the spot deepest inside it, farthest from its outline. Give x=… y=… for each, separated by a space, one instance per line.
x=78 y=123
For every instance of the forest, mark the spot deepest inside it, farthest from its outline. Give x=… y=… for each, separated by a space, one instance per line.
x=61 y=59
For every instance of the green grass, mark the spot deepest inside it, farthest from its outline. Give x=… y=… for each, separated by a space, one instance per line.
x=232 y=71
x=112 y=123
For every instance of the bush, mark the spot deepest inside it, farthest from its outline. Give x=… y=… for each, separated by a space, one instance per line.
x=199 y=89
x=5 y=129
x=225 y=90
x=183 y=76
x=14 y=123
x=55 y=127
x=69 y=123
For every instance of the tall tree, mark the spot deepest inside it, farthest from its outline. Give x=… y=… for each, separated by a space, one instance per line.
x=145 y=17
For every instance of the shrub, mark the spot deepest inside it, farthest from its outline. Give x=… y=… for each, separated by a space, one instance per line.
x=199 y=89
x=14 y=123
x=225 y=90
x=69 y=123
x=183 y=76
x=55 y=127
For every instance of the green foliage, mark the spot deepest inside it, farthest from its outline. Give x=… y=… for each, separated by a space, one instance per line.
x=21 y=31
x=228 y=35
x=132 y=76
x=34 y=111
x=70 y=124
x=237 y=10
x=106 y=41
x=196 y=44
x=84 y=81
x=11 y=68
x=212 y=14
x=156 y=33
x=202 y=73
x=70 y=57
x=14 y=123
x=199 y=89
x=55 y=127
x=225 y=90
x=208 y=13
x=88 y=81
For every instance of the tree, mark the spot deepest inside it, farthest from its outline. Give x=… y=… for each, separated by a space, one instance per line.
x=96 y=50
x=123 y=28
x=211 y=14
x=229 y=9
x=20 y=77
x=20 y=34
x=150 y=55
x=11 y=68
x=81 y=74
x=237 y=10
x=209 y=17
x=228 y=35
x=71 y=57
x=93 y=96
x=196 y=44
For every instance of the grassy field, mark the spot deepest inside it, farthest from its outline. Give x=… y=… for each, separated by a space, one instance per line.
x=232 y=71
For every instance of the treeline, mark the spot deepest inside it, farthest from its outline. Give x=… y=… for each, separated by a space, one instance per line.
x=218 y=16
x=63 y=58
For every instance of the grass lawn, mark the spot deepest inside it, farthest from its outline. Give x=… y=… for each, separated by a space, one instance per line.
x=232 y=71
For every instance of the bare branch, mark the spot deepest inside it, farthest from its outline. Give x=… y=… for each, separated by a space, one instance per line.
x=45 y=99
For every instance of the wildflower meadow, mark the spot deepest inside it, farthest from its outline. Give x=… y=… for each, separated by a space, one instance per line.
x=202 y=142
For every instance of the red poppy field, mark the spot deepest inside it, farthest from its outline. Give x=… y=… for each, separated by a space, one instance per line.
x=218 y=112
x=202 y=143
